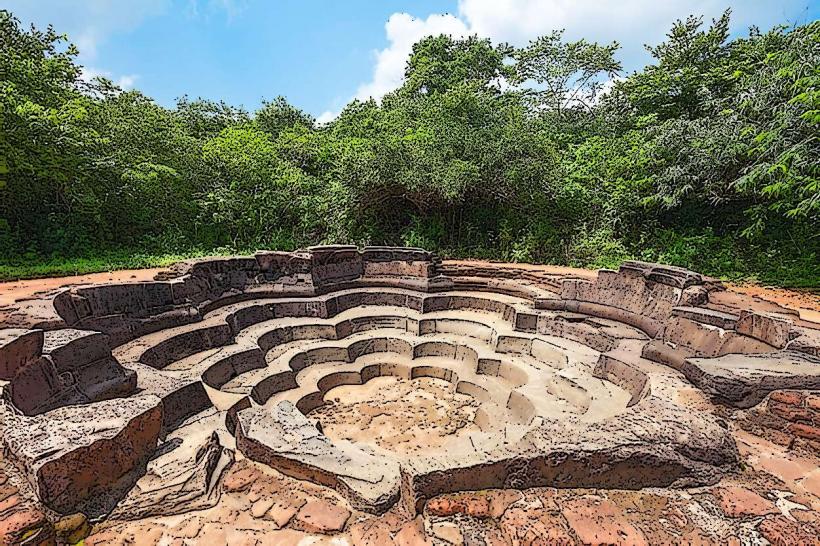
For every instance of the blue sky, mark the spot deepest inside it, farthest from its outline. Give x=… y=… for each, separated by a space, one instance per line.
x=322 y=53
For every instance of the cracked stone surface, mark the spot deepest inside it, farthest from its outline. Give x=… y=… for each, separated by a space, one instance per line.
x=397 y=415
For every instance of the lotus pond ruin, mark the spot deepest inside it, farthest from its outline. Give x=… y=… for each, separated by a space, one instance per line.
x=388 y=377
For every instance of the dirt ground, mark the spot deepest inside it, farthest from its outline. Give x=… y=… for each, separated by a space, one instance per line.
x=19 y=290
x=548 y=269
x=806 y=302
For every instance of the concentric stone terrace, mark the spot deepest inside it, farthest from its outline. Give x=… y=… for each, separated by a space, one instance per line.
x=134 y=398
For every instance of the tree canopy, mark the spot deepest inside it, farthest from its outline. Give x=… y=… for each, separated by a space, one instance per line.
x=707 y=157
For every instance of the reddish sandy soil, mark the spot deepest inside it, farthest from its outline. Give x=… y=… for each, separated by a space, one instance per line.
x=19 y=290
x=806 y=302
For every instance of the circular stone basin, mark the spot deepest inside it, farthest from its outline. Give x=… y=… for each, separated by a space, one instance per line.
x=451 y=378
x=398 y=415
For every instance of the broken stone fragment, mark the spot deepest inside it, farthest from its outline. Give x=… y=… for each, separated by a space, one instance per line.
x=76 y=367
x=320 y=516
x=447 y=531
x=705 y=315
x=18 y=347
x=71 y=349
x=596 y=520
x=38 y=387
x=72 y=529
x=738 y=502
x=83 y=458
x=183 y=475
x=766 y=327
x=745 y=380
x=283 y=438
x=25 y=525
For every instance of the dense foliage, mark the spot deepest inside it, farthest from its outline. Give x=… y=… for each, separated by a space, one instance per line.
x=706 y=158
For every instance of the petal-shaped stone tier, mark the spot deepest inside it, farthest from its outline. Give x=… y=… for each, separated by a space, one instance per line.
x=575 y=380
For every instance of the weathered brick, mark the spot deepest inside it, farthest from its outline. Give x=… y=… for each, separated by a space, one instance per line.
x=792 y=398
x=805 y=431
x=791 y=413
x=471 y=504
x=781 y=531
x=738 y=502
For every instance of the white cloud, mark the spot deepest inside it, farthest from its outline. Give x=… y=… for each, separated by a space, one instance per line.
x=326 y=117
x=632 y=23
x=87 y=73
x=124 y=82
x=231 y=8
x=86 y=41
x=607 y=86
x=403 y=31
x=90 y=22
x=518 y=21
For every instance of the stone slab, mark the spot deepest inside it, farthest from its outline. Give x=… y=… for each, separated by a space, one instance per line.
x=745 y=380
x=283 y=438
x=18 y=346
x=79 y=458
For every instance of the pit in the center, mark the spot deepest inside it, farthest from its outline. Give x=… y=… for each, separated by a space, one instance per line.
x=398 y=415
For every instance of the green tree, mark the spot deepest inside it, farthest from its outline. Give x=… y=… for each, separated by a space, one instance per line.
x=439 y=63
x=205 y=118
x=254 y=198
x=689 y=73
x=46 y=136
x=277 y=115
x=564 y=75
x=707 y=157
